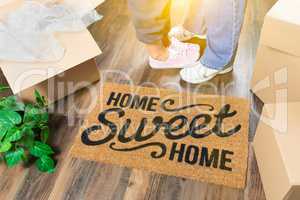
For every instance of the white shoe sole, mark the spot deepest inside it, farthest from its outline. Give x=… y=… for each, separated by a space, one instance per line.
x=173 y=67
x=225 y=71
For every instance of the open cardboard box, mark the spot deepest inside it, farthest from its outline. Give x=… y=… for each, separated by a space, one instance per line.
x=277 y=150
x=55 y=80
x=277 y=68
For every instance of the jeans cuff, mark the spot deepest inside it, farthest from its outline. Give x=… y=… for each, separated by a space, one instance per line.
x=206 y=64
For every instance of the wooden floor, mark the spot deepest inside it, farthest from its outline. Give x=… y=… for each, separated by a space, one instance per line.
x=79 y=179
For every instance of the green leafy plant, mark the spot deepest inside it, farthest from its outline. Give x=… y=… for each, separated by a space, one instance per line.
x=24 y=132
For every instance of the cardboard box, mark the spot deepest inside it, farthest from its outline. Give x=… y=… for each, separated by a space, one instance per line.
x=55 y=80
x=277 y=150
x=277 y=68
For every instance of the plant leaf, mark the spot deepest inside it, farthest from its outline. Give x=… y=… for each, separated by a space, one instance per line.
x=40 y=149
x=28 y=136
x=45 y=164
x=5 y=146
x=27 y=129
x=8 y=119
x=35 y=115
x=3 y=130
x=25 y=158
x=44 y=134
x=11 y=103
x=27 y=141
x=3 y=88
x=13 y=158
x=40 y=99
x=13 y=134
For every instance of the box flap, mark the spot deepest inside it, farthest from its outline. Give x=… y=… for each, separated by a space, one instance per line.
x=97 y=2
x=294 y=193
x=281 y=29
x=80 y=47
x=287 y=137
x=270 y=163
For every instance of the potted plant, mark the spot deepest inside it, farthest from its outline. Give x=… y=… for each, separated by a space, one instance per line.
x=24 y=132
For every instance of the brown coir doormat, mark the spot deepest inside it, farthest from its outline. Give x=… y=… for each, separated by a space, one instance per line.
x=180 y=134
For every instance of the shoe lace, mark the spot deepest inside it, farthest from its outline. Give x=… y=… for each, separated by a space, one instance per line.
x=180 y=48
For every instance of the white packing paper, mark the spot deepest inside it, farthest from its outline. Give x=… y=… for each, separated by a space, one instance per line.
x=4 y=2
x=27 y=35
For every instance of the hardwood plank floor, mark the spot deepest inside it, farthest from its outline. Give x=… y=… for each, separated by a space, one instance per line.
x=79 y=179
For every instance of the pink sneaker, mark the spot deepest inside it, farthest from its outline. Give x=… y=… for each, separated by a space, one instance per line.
x=181 y=55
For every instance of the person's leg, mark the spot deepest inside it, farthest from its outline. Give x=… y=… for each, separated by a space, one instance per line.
x=195 y=18
x=193 y=28
x=151 y=19
x=224 y=19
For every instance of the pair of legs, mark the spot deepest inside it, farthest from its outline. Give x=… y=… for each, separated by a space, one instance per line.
x=222 y=20
x=151 y=19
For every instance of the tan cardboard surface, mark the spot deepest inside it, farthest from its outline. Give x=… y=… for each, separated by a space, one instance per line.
x=281 y=29
x=288 y=142
x=183 y=147
x=79 y=46
x=278 y=161
x=277 y=68
x=276 y=76
x=97 y=2
x=294 y=193
x=65 y=83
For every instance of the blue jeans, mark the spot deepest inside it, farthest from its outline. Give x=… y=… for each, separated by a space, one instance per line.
x=223 y=20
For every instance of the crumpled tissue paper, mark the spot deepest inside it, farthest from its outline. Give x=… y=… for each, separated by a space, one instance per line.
x=27 y=34
x=4 y=2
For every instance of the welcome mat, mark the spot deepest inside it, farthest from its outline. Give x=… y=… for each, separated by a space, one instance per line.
x=180 y=134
